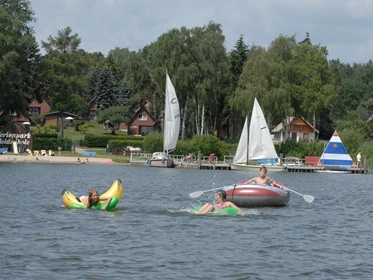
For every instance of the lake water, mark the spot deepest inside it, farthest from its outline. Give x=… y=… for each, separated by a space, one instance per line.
x=153 y=235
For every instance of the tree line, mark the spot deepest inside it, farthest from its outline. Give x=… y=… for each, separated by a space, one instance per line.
x=216 y=87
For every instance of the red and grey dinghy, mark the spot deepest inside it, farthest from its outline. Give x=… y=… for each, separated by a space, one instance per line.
x=257 y=195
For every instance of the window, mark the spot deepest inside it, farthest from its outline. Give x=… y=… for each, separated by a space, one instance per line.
x=13 y=113
x=143 y=117
x=34 y=111
x=301 y=127
x=292 y=127
x=145 y=130
x=146 y=104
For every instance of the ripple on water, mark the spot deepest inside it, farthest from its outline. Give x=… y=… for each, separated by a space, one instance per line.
x=152 y=234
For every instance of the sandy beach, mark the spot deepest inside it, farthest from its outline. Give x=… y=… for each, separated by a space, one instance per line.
x=52 y=159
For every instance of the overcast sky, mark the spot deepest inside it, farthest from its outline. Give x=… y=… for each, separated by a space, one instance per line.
x=345 y=27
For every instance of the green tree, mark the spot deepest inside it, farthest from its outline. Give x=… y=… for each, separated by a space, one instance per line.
x=66 y=70
x=287 y=79
x=313 y=85
x=104 y=88
x=115 y=115
x=196 y=62
x=20 y=61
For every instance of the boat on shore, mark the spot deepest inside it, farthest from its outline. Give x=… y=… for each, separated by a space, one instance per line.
x=160 y=159
x=171 y=128
x=256 y=147
x=257 y=195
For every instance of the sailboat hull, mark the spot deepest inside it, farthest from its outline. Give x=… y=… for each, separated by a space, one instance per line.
x=161 y=163
x=256 y=195
x=247 y=167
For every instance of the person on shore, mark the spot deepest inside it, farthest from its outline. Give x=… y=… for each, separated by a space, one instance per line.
x=78 y=160
x=94 y=198
x=358 y=158
x=59 y=150
x=262 y=178
x=220 y=203
x=183 y=161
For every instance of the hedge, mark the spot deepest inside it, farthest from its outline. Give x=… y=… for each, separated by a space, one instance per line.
x=102 y=140
x=51 y=143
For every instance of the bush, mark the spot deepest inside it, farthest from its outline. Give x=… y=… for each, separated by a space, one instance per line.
x=102 y=140
x=208 y=144
x=83 y=128
x=183 y=148
x=37 y=119
x=153 y=142
x=120 y=144
x=77 y=124
x=51 y=143
x=300 y=149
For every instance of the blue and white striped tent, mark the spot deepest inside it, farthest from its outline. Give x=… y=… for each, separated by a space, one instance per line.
x=335 y=153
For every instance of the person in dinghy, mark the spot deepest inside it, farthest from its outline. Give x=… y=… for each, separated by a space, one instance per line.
x=262 y=179
x=93 y=198
x=220 y=203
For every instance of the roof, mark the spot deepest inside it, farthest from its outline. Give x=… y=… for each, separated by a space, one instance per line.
x=59 y=112
x=280 y=126
x=290 y=120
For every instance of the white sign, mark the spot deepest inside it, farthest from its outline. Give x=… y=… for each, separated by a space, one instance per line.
x=8 y=138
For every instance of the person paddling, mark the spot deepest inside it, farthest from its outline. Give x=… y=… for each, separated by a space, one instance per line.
x=262 y=178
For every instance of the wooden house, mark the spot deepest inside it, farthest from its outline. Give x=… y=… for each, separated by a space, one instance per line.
x=55 y=118
x=33 y=108
x=38 y=108
x=143 y=122
x=92 y=111
x=299 y=130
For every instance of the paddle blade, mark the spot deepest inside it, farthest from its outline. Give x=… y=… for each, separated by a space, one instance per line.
x=196 y=194
x=308 y=198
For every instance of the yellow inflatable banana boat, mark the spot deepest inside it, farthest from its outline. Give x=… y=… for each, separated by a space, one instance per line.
x=115 y=192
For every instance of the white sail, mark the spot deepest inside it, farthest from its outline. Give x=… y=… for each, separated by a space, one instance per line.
x=171 y=118
x=256 y=142
x=242 y=148
x=260 y=141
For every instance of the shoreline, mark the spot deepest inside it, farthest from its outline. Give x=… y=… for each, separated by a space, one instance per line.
x=52 y=159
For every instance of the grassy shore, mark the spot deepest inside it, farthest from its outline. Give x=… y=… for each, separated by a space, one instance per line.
x=94 y=128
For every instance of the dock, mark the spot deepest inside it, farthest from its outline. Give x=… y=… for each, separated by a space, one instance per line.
x=319 y=168
x=203 y=163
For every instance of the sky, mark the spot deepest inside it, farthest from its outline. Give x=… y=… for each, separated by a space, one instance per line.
x=344 y=27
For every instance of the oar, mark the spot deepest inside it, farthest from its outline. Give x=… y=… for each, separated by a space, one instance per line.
x=197 y=194
x=308 y=198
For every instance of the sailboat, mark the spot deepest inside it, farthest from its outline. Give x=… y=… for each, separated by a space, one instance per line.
x=171 y=128
x=256 y=147
x=335 y=158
